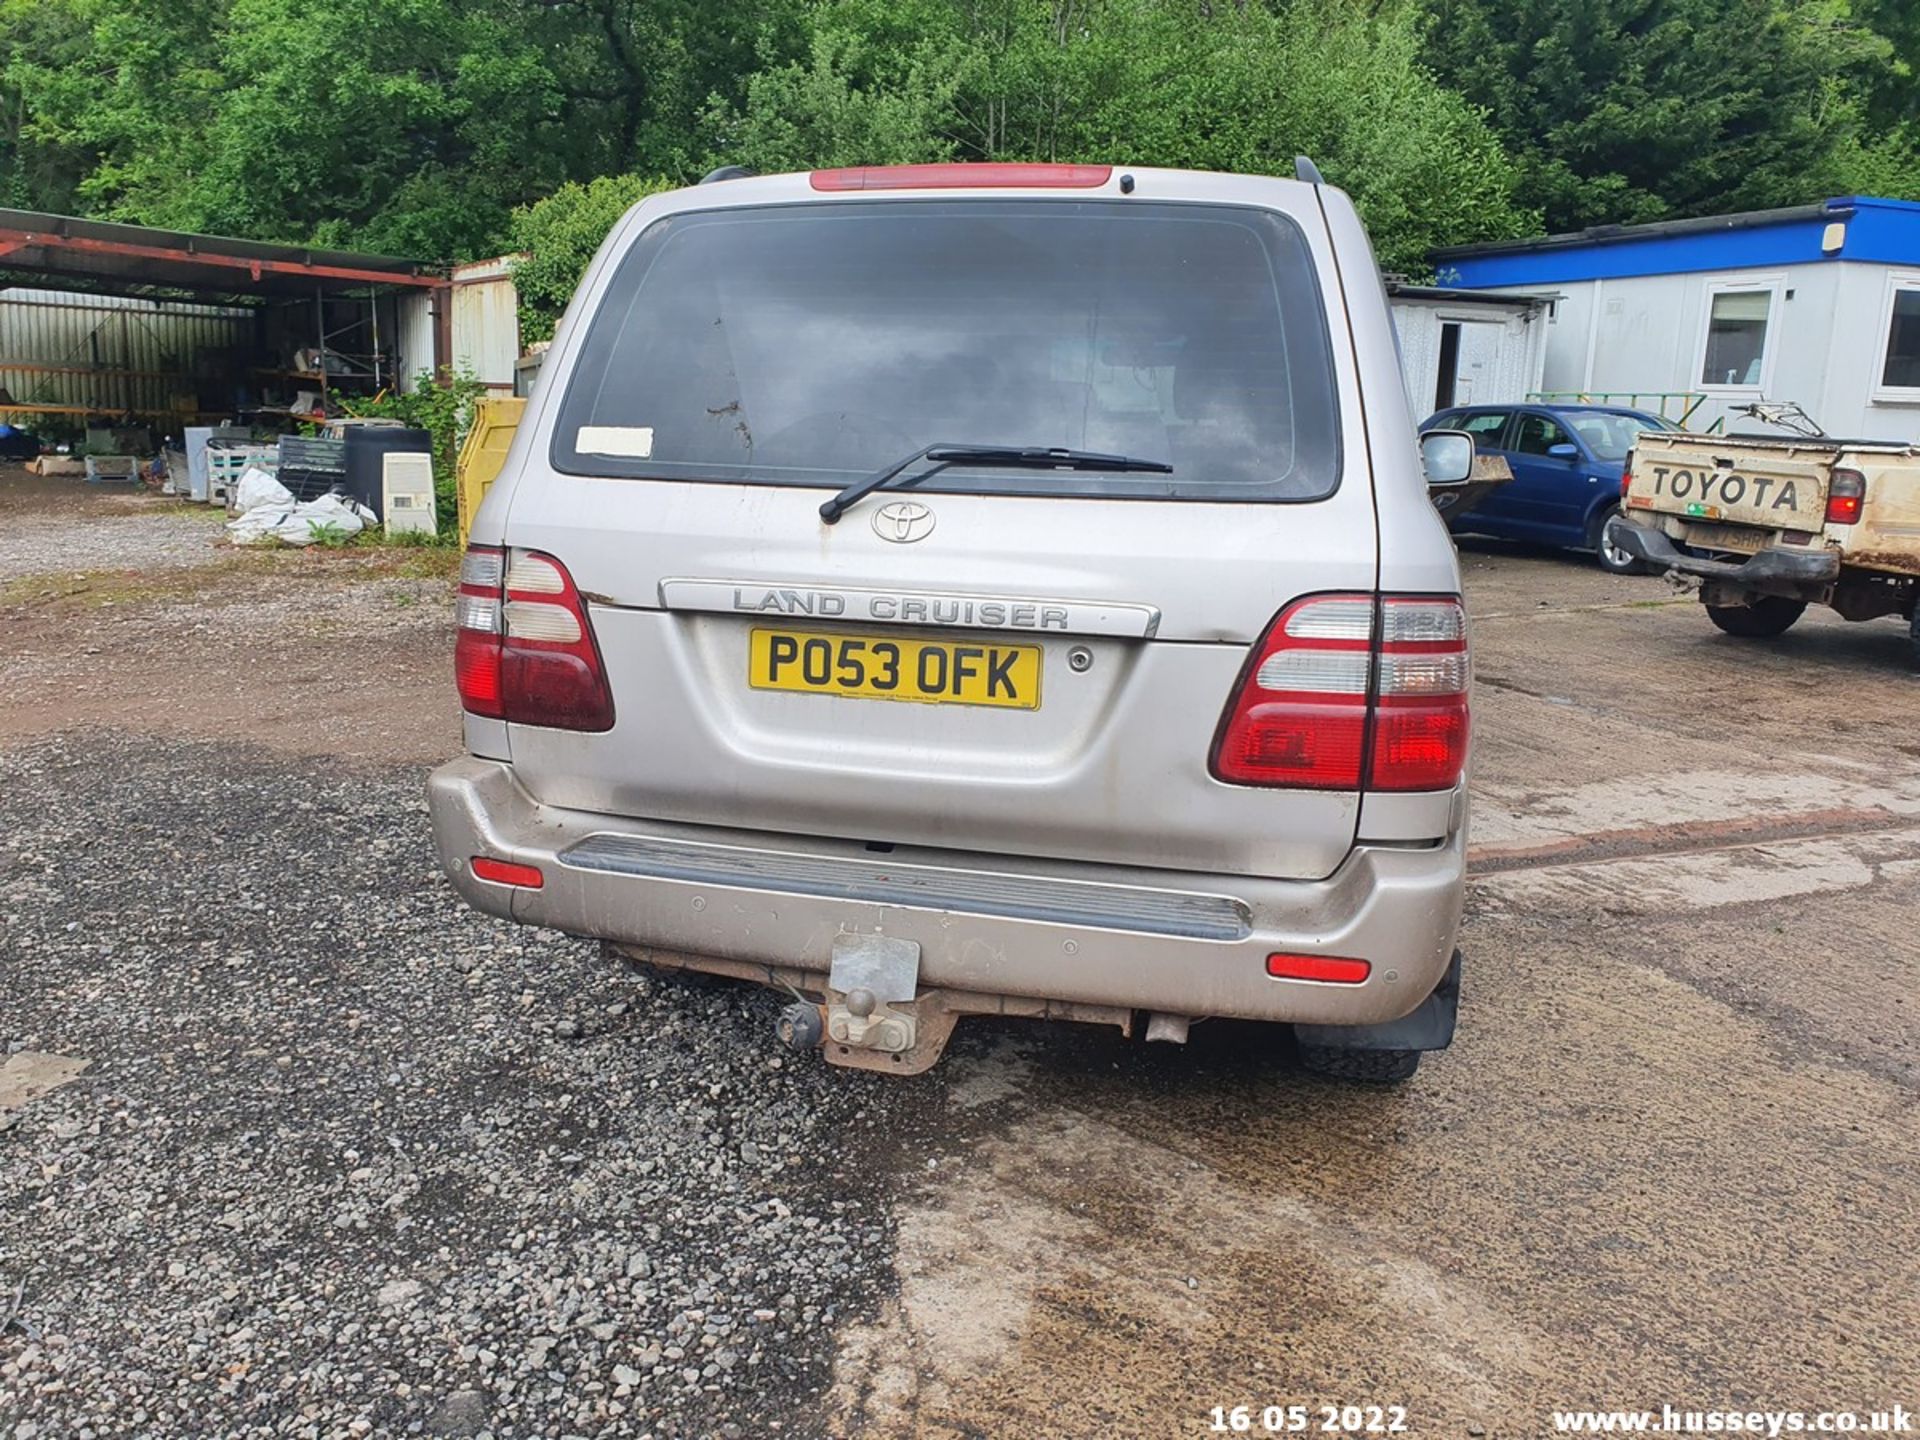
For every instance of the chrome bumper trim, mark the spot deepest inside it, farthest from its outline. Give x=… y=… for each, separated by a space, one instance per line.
x=969 y=892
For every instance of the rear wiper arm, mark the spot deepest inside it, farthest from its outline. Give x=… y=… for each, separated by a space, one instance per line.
x=1011 y=456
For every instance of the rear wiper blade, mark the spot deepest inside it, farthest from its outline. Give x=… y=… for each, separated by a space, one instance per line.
x=1016 y=457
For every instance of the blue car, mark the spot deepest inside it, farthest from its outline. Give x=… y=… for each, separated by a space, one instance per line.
x=1566 y=462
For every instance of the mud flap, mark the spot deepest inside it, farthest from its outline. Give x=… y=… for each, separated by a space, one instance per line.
x=1429 y=1027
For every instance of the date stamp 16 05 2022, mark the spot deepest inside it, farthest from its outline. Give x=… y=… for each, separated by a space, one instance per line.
x=1308 y=1419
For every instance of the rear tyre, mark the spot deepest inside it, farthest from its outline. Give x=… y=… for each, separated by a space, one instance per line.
x=1367 y=1067
x=1767 y=616
x=1612 y=558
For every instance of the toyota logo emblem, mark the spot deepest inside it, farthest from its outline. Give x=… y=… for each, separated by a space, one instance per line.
x=903 y=522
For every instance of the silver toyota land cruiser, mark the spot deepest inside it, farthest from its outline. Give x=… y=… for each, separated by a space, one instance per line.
x=980 y=589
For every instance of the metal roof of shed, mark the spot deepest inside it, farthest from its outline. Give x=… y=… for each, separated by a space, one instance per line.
x=100 y=255
x=1404 y=290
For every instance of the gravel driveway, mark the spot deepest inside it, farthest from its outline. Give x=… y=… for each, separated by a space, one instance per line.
x=61 y=526
x=349 y=1157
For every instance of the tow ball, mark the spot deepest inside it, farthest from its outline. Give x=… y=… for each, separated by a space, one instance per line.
x=873 y=1015
x=856 y=1019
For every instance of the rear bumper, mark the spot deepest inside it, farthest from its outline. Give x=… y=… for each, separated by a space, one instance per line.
x=1764 y=570
x=1090 y=934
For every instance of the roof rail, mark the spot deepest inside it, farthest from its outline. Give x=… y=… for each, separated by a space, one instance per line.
x=726 y=172
x=1305 y=169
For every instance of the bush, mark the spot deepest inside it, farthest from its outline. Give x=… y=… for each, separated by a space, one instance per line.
x=558 y=237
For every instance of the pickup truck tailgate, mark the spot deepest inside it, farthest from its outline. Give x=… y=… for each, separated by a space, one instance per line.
x=1720 y=479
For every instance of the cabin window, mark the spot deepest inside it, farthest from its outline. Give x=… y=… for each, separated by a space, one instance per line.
x=1738 y=320
x=1899 y=377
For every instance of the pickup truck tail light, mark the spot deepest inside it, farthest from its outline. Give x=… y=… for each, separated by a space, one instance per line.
x=1346 y=693
x=1626 y=482
x=1846 y=493
x=524 y=650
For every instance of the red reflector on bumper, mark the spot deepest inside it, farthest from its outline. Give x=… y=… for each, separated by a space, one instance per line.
x=505 y=872
x=1331 y=968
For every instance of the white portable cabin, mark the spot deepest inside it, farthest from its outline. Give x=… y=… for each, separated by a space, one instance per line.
x=1818 y=305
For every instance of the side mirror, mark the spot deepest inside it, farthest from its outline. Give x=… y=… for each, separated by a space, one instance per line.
x=1447 y=456
x=1564 y=451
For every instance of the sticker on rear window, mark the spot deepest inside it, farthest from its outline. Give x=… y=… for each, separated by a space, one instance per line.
x=635 y=441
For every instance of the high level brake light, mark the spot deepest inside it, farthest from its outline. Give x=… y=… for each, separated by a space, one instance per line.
x=524 y=649
x=1846 y=494
x=1344 y=694
x=963 y=176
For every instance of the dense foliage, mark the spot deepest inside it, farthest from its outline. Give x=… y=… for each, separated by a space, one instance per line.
x=1629 y=110
x=557 y=236
x=440 y=128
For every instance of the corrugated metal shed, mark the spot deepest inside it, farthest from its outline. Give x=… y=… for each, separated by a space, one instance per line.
x=122 y=320
x=486 y=321
x=107 y=256
x=112 y=353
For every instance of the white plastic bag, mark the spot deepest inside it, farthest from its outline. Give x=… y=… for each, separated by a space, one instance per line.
x=293 y=524
x=255 y=525
x=258 y=487
x=340 y=518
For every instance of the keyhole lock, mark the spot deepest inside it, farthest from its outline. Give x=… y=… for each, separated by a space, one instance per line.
x=1079 y=659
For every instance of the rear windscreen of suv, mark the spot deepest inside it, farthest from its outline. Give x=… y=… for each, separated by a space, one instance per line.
x=814 y=344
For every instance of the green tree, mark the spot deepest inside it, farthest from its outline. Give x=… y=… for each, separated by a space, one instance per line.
x=1146 y=82
x=102 y=94
x=1634 y=110
x=424 y=127
x=849 y=102
x=413 y=126
x=557 y=237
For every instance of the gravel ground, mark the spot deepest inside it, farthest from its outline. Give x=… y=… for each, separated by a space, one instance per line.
x=350 y=1158
x=140 y=537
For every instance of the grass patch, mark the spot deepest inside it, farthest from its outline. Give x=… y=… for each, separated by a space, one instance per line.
x=447 y=539
x=94 y=589
x=99 y=589
x=212 y=514
x=420 y=562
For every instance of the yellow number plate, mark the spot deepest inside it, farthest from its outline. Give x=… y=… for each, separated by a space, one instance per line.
x=880 y=667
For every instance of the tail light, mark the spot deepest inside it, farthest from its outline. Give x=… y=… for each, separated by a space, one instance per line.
x=524 y=649
x=1346 y=693
x=1626 y=483
x=1846 y=493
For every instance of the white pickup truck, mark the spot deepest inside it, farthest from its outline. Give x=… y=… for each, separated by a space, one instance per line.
x=1771 y=524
